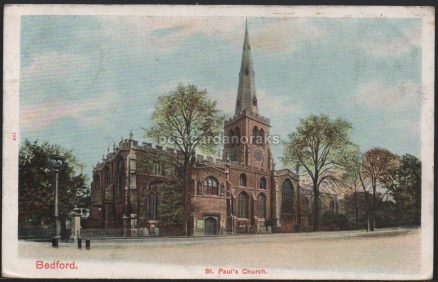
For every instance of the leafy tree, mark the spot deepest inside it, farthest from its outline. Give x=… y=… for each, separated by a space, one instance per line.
x=403 y=182
x=37 y=182
x=171 y=211
x=187 y=120
x=322 y=147
x=375 y=173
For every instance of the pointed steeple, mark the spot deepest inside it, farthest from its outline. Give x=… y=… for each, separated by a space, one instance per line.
x=246 y=92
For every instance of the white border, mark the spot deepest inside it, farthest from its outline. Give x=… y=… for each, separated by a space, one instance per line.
x=16 y=267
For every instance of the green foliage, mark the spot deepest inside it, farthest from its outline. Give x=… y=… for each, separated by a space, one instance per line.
x=322 y=147
x=334 y=219
x=404 y=184
x=37 y=182
x=171 y=208
x=187 y=118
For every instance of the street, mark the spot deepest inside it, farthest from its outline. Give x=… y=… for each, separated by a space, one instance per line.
x=351 y=253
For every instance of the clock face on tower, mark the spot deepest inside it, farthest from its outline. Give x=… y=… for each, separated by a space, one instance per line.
x=258 y=155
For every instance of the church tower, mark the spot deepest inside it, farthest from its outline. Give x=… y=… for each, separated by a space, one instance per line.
x=247 y=131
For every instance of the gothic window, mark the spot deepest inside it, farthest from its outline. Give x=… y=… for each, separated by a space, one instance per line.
x=287 y=193
x=246 y=71
x=107 y=177
x=234 y=154
x=120 y=176
x=235 y=138
x=263 y=183
x=158 y=168
x=243 y=205
x=154 y=199
x=211 y=186
x=262 y=205
x=97 y=183
x=254 y=101
x=262 y=136
x=243 y=180
x=238 y=104
x=255 y=134
x=154 y=202
x=237 y=134
x=305 y=205
x=332 y=207
x=230 y=135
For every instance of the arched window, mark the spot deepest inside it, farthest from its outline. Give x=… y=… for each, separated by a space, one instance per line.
x=234 y=154
x=305 y=205
x=261 y=136
x=243 y=180
x=107 y=177
x=154 y=199
x=332 y=207
x=263 y=183
x=262 y=205
x=230 y=135
x=211 y=186
x=97 y=183
x=255 y=134
x=287 y=197
x=154 y=202
x=237 y=135
x=254 y=100
x=158 y=168
x=243 y=205
x=120 y=176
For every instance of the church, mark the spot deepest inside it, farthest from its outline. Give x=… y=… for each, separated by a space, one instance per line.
x=238 y=193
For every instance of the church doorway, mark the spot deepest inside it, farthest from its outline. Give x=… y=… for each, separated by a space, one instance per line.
x=210 y=225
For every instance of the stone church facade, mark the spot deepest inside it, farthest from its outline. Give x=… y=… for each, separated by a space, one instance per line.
x=238 y=193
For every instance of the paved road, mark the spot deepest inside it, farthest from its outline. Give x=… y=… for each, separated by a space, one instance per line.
x=353 y=253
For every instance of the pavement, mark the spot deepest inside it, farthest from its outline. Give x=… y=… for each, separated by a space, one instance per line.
x=382 y=253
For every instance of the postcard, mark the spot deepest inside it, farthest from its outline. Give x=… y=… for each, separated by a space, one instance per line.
x=218 y=142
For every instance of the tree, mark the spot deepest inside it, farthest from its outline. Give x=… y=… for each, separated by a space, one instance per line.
x=322 y=147
x=37 y=182
x=350 y=181
x=375 y=174
x=187 y=120
x=171 y=212
x=403 y=182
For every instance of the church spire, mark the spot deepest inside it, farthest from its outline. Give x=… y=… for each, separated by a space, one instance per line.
x=246 y=92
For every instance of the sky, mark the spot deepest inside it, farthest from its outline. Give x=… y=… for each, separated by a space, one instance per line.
x=86 y=81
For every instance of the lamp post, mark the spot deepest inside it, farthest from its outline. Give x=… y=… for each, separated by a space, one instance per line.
x=99 y=210
x=56 y=163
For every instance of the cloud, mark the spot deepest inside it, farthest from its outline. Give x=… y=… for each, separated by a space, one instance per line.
x=284 y=34
x=396 y=42
x=165 y=33
x=278 y=105
x=58 y=75
x=379 y=95
x=279 y=35
x=88 y=112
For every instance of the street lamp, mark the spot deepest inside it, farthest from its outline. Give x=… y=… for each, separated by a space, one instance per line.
x=56 y=163
x=99 y=210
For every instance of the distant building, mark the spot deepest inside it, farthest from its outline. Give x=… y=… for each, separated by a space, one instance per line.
x=238 y=193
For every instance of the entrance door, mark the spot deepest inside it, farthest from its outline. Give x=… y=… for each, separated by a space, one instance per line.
x=210 y=225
